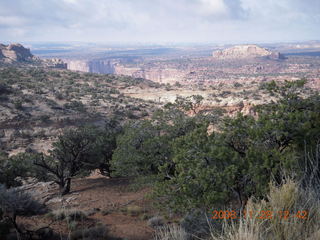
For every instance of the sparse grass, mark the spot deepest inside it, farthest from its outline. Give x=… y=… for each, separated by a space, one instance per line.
x=287 y=204
x=132 y=210
x=68 y=214
x=171 y=232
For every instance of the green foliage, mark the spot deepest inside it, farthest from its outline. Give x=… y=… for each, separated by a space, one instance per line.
x=201 y=175
x=192 y=103
x=104 y=146
x=71 y=152
x=79 y=150
x=140 y=150
x=244 y=156
x=146 y=146
x=18 y=104
x=15 y=203
x=13 y=169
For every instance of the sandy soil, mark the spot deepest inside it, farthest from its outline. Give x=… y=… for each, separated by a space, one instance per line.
x=109 y=200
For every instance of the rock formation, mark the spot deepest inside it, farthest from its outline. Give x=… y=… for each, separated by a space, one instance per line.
x=93 y=66
x=246 y=51
x=55 y=63
x=15 y=53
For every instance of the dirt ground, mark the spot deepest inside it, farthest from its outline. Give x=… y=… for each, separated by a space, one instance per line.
x=110 y=202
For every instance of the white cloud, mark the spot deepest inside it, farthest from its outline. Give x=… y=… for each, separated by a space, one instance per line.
x=159 y=20
x=12 y=21
x=71 y=1
x=215 y=7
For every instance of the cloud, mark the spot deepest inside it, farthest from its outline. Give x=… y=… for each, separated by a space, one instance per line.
x=159 y=20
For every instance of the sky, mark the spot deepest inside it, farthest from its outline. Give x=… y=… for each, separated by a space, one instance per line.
x=159 y=21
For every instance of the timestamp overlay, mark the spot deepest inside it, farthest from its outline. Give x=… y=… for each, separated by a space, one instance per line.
x=261 y=214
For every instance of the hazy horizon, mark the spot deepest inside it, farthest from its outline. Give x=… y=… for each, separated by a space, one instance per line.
x=159 y=21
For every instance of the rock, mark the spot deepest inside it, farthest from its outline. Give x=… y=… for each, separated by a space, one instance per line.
x=55 y=63
x=246 y=51
x=15 y=53
x=55 y=200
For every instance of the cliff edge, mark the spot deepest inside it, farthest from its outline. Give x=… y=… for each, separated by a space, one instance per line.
x=16 y=53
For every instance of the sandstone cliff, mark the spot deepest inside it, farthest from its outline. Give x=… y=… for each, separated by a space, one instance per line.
x=246 y=51
x=93 y=66
x=17 y=53
x=156 y=74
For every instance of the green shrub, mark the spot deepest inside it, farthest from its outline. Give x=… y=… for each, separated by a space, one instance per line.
x=93 y=233
x=18 y=104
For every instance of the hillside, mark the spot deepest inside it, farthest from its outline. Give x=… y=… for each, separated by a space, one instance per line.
x=36 y=103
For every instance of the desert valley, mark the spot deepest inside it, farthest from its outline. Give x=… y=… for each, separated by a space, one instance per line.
x=159 y=120
x=43 y=96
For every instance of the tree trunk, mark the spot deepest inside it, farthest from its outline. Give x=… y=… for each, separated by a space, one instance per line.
x=105 y=170
x=65 y=187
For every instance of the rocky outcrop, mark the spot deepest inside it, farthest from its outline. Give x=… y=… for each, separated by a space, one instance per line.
x=15 y=53
x=55 y=63
x=246 y=51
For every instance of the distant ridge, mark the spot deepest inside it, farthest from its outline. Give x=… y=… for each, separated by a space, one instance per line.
x=246 y=51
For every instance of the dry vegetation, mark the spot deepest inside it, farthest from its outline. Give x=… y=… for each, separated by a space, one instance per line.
x=36 y=103
x=167 y=150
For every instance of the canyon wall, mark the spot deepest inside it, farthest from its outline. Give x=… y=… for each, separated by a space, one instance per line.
x=156 y=74
x=93 y=66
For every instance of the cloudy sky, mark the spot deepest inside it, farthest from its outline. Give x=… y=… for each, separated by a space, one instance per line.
x=218 y=21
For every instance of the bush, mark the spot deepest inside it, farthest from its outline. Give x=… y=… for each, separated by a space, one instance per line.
x=139 y=150
x=93 y=233
x=156 y=221
x=18 y=104
x=16 y=202
x=76 y=105
x=18 y=167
